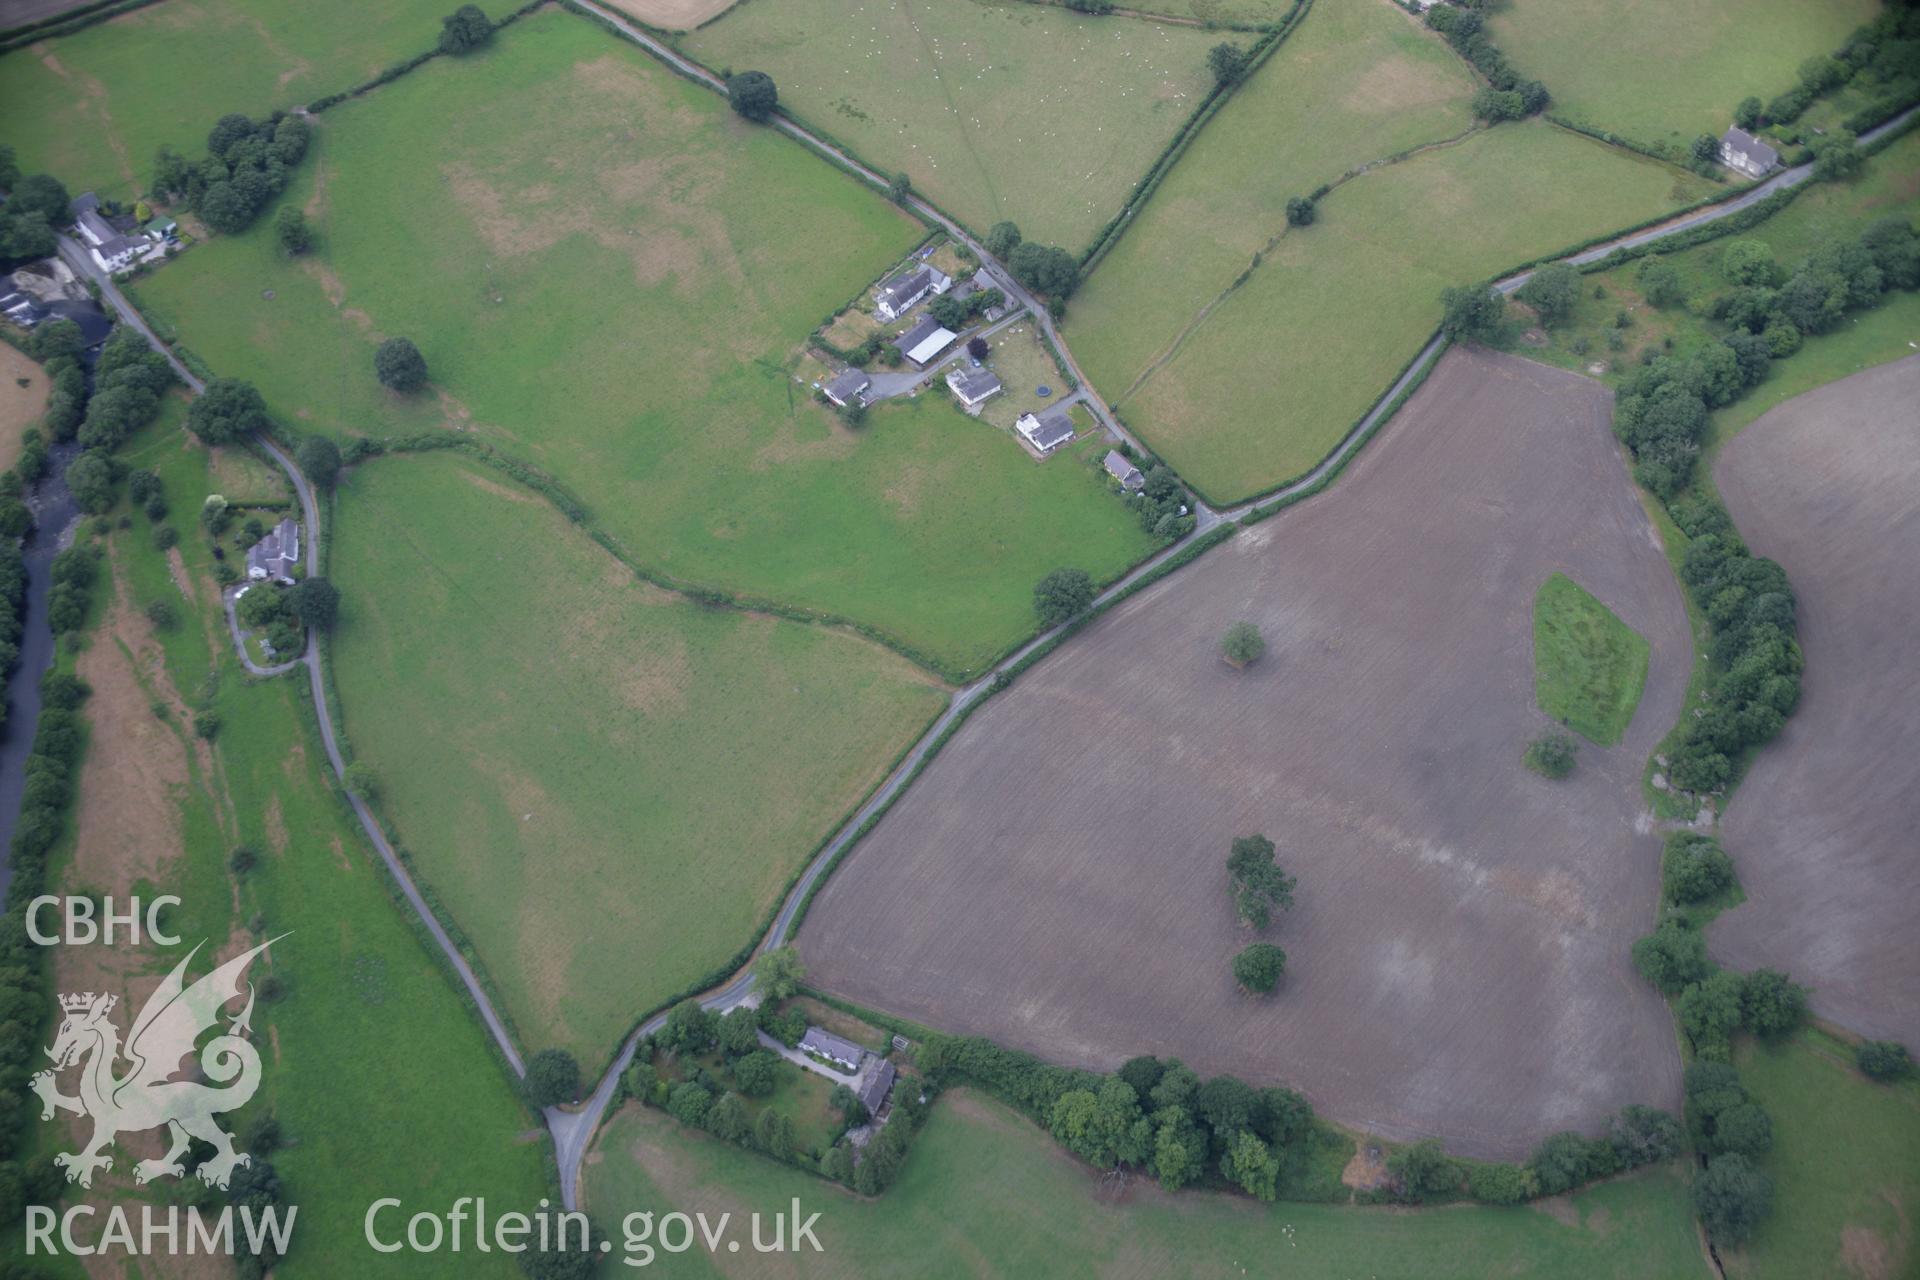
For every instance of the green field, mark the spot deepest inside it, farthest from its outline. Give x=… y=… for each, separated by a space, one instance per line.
x=1019 y=111
x=1846 y=1177
x=1668 y=72
x=986 y=1193
x=1588 y=666
x=442 y=1121
x=607 y=785
x=1281 y=369
x=93 y=107
x=1356 y=81
x=1219 y=12
x=610 y=276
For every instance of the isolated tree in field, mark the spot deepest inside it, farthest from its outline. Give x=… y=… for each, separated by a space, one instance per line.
x=1550 y=756
x=1472 y=313
x=1883 y=1060
x=978 y=348
x=400 y=366
x=553 y=1077
x=319 y=460
x=464 y=30
x=290 y=227
x=1671 y=957
x=1733 y=1197
x=317 y=601
x=1228 y=62
x=1551 y=292
x=1300 y=211
x=229 y=409
x=1242 y=644
x=1062 y=595
x=1258 y=883
x=753 y=94
x=1258 y=967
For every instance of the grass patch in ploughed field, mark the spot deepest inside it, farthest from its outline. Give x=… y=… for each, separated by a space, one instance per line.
x=93 y=107
x=1668 y=72
x=984 y=1192
x=1022 y=111
x=1280 y=370
x=610 y=276
x=607 y=785
x=1588 y=666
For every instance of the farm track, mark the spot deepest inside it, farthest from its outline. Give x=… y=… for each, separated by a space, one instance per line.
x=572 y=1131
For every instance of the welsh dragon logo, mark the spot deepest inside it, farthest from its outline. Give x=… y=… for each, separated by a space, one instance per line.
x=147 y=1096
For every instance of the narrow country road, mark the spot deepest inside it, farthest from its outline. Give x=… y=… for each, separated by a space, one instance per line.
x=572 y=1131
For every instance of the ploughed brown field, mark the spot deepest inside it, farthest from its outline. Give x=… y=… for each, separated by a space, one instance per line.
x=1825 y=830
x=1458 y=955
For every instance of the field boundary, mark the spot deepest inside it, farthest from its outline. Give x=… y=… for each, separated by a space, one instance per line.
x=68 y=23
x=1109 y=235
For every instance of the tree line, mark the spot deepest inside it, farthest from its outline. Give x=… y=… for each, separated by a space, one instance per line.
x=1508 y=95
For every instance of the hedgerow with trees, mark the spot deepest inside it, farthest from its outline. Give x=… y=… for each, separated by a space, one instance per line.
x=248 y=164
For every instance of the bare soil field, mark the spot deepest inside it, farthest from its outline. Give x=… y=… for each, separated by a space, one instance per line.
x=1822 y=829
x=23 y=398
x=1458 y=952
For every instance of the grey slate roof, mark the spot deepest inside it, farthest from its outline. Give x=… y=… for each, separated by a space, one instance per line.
x=848 y=384
x=879 y=1082
x=829 y=1045
x=974 y=384
x=898 y=292
x=1121 y=468
x=275 y=555
x=1737 y=141
x=1052 y=427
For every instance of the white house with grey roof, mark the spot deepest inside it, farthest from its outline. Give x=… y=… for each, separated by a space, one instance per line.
x=1045 y=432
x=112 y=248
x=1746 y=154
x=1121 y=468
x=275 y=556
x=844 y=1053
x=973 y=387
x=907 y=288
x=849 y=386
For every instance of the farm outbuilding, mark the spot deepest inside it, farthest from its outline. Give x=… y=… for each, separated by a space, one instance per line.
x=924 y=341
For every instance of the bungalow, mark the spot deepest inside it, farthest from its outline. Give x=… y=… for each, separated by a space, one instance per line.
x=1742 y=151
x=825 y=1044
x=873 y=1090
x=274 y=556
x=973 y=386
x=848 y=386
x=1045 y=433
x=907 y=288
x=1121 y=468
x=924 y=341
